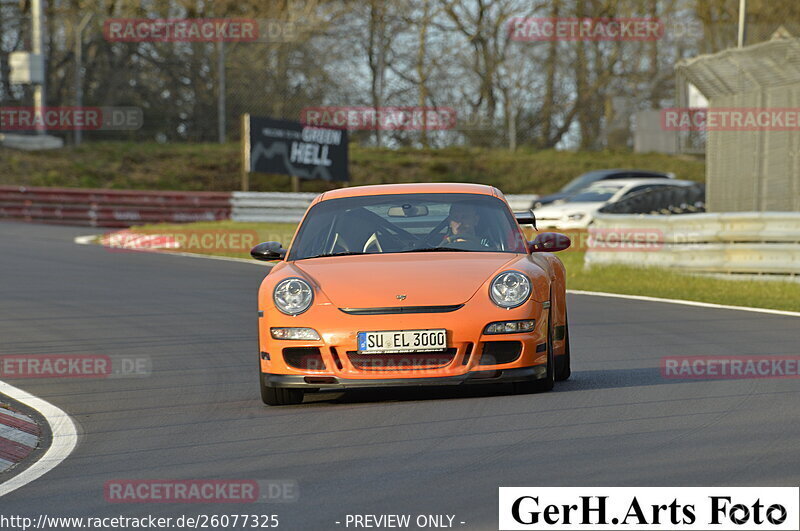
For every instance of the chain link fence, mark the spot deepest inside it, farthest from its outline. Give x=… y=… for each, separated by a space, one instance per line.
x=459 y=55
x=753 y=164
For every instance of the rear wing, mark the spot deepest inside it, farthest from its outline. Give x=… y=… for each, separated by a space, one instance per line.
x=526 y=217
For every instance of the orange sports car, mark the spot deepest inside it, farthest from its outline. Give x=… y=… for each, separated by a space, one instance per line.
x=411 y=284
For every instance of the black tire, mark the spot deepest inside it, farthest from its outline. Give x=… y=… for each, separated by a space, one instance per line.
x=546 y=383
x=280 y=396
x=563 y=369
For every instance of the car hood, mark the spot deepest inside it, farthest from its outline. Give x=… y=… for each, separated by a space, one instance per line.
x=558 y=210
x=426 y=279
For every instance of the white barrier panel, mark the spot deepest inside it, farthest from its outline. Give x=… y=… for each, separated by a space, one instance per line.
x=705 y=228
x=285 y=207
x=270 y=207
x=747 y=242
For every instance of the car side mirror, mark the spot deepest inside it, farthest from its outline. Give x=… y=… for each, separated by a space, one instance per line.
x=550 y=242
x=526 y=217
x=268 y=251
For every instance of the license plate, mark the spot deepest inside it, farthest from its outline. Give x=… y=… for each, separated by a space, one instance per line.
x=402 y=341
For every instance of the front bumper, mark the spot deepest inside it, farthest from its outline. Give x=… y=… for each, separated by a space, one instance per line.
x=469 y=358
x=536 y=372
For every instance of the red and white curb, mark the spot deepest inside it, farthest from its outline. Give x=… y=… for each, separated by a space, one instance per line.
x=63 y=437
x=19 y=436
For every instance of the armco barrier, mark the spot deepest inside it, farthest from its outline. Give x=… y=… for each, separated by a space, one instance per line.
x=266 y=207
x=110 y=208
x=290 y=207
x=123 y=208
x=739 y=242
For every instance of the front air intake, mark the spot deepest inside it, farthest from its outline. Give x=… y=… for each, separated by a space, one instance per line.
x=500 y=352
x=304 y=358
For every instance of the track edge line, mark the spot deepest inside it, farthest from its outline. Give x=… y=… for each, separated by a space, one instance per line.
x=683 y=302
x=64 y=438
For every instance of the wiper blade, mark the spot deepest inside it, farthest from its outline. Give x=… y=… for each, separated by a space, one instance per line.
x=436 y=250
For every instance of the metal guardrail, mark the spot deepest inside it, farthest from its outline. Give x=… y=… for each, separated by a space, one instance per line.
x=124 y=208
x=739 y=242
x=272 y=207
x=110 y=208
x=269 y=207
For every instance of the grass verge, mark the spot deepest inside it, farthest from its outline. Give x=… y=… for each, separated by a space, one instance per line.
x=653 y=282
x=150 y=165
x=664 y=283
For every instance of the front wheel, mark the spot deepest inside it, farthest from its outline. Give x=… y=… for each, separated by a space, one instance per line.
x=280 y=396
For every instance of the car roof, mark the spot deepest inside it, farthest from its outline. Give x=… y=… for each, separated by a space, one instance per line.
x=633 y=182
x=625 y=170
x=411 y=188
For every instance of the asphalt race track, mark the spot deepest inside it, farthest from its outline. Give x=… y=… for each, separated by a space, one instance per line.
x=617 y=422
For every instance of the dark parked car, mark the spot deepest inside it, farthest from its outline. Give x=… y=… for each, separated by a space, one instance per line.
x=662 y=200
x=579 y=183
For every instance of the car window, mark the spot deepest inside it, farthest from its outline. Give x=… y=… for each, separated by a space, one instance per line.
x=596 y=192
x=639 y=188
x=407 y=223
x=582 y=181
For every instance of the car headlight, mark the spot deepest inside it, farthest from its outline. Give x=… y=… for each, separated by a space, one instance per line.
x=577 y=216
x=510 y=289
x=293 y=296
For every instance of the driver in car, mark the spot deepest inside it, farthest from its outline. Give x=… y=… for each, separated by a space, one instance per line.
x=462 y=226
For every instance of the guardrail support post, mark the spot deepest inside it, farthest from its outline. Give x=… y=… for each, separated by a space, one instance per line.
x=245 y=143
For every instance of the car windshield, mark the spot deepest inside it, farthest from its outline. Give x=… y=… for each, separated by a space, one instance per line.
x=582 y=181
x=405 y=223
x=601 y=192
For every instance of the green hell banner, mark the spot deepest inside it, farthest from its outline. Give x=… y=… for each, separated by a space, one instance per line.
x=291 y=148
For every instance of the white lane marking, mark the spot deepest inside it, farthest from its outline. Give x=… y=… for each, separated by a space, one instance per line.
x=684 y=302
x=65 y=438
x=18 y=436
x=85 y=240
